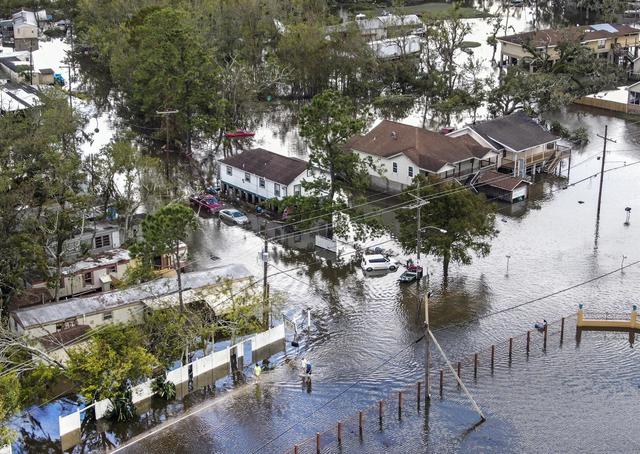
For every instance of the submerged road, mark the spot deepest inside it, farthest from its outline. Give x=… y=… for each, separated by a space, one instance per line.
x=362 y=323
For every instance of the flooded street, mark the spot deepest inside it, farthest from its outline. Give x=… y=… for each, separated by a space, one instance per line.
x=361 y=323
x=363 y=340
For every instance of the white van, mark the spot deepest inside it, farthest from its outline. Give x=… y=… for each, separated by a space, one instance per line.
x=378 y=262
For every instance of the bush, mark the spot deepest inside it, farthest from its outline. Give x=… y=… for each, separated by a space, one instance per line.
x=163 y=388
x=123 y=409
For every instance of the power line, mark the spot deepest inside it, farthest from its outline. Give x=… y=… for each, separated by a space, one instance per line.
x=393 y=356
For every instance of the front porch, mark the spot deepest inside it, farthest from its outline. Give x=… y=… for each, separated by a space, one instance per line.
x=546 y=161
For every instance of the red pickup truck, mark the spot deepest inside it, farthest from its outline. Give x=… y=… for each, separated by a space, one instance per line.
x=206 y=202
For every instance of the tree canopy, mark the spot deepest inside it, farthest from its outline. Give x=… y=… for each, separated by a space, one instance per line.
x=467 y=218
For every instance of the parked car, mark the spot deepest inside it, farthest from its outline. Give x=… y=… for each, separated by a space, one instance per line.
x=206 y=202
x=378 y=262
x=233 y=215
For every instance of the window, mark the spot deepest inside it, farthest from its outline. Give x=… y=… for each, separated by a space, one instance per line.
x=276 y=189
x=297 y=189
x=102 y=241
x=395 y=167
x=247 y=177
x=261 y=181
x=551 y=146
x=634 y=97
x=229 y=170
x=107 y=316
x=88 y=279
x=410 y=171
x=284 y=191
x=602 y=43
x=112 y=269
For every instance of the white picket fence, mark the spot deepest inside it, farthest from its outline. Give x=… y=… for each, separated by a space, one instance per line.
x=214 y=360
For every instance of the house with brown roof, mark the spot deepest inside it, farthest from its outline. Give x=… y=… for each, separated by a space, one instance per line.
x=404 y=151
x=618 y=43
x=258 y=175
x=525 y=146
x=498 y=186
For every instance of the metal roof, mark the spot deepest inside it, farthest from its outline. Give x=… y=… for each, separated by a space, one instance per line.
x=47 y=314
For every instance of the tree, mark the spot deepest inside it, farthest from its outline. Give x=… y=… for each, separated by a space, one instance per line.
x=467 y=218
x=112 y=361
x=445 y=43
x=117 y=178
x=326 y=124
x=9 y=401
x=41 y=189
x=162 y=233
x=166 y=65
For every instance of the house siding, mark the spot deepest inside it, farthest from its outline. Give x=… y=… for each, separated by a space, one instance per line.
x=238 y=181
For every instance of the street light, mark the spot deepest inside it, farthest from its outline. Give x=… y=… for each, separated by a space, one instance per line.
x=434 y=228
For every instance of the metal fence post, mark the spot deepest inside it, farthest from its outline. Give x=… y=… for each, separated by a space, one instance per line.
x=475 y=365
x=493 y=356
x=510 y=349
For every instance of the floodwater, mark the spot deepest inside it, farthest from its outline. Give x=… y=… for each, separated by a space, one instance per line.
x=363 y=340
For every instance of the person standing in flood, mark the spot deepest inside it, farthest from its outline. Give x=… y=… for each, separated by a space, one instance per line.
x=257 y=371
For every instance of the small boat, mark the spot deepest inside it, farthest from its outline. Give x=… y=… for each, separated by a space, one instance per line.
x=408 y=276
x=239 y=134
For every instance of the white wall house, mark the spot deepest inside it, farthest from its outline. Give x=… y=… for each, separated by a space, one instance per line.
x=402 y=151
x=25 y=31
x=524 y=145
x=126 y=306
x=258 y=175
x=90 y=274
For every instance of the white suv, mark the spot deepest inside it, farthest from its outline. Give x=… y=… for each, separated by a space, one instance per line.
x=378 y=262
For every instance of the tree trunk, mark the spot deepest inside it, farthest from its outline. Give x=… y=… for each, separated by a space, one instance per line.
x=445 y=269
x=179 y=276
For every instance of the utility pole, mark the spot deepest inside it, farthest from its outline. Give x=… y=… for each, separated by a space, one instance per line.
x=166 y=114
x=265 y=286
x=604 y=153
x=427 y=354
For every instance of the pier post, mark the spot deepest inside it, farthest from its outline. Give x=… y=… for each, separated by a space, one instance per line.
x=544 y=345
x=441 y=382
x=510 y=349
x=318 y=442
x=561 y=330
x=475 y=365
x=528 y=341
x=493 y=356
x=419 y=385
x=380 y=411
x=360 y=422
x=295 y=449
x=399 y=404
x=459 y=371
x=339 y=432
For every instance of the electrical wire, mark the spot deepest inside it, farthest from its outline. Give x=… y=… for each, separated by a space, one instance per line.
x=394 y=356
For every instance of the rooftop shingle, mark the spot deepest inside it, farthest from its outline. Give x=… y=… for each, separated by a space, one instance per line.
x=264 y=163
x=517 y=132
x=427 y=149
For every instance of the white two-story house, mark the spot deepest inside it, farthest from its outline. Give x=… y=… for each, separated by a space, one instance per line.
x=524 y=145
x=403 y=151
x=258 y=175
